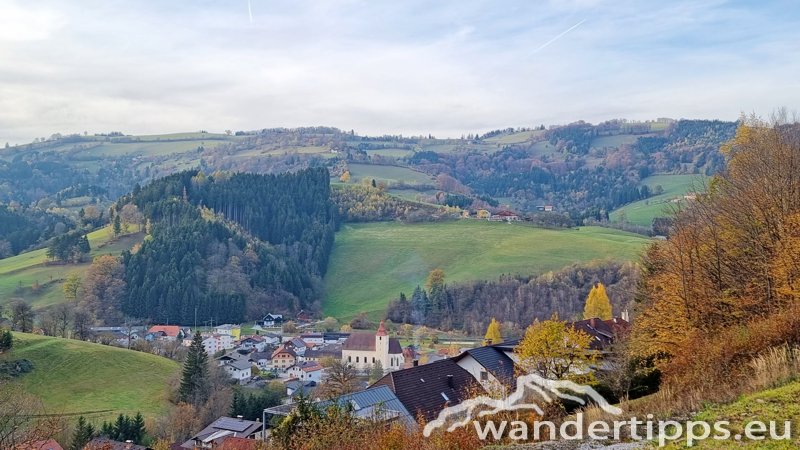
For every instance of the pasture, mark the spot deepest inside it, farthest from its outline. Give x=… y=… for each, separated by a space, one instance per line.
x=675 y=186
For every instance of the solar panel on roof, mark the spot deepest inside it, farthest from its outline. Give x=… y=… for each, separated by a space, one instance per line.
x=227 y=423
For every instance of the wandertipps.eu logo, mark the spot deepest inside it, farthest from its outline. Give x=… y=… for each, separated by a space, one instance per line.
x=547 y=390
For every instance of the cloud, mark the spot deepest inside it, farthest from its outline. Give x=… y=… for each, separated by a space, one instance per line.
x=445 y=68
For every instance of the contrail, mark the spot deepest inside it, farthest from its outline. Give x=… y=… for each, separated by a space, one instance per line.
x=551 y=40
x=250 y=11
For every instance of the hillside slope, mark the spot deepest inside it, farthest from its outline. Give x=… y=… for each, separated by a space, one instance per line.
x=73 y=376
x=372 y=263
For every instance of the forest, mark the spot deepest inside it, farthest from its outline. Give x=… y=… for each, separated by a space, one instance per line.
x=515 y=299
x=230 y=245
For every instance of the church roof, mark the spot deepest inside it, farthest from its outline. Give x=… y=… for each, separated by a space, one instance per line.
x=366 y=342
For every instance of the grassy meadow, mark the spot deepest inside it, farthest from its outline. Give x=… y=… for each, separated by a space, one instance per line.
x=389 y=174
x=372 y=263
x=513 y=138
x=644 y=211
x=30 y=267
x=72 y=376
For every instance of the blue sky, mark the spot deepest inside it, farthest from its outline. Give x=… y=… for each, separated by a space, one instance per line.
x=417 y=67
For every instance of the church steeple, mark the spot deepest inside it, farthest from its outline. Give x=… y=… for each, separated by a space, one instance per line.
x=381 y=330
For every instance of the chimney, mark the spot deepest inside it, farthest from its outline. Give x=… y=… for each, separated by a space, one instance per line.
x=241 y=418
x=416 y=362
x=591 y=322
x=450 y=382
x=128 y=444
x=625 y=316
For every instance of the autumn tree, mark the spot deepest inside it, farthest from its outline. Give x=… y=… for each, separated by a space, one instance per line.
x=71 y=287
x=597 y=304
x=103 y=286
x=345 y=178
x=408 y=331
x=493 y=335
x=330 y=324
x=289 y=327
x=342 y=379
x=554 y=350
x=376 y=372
x=21 y=315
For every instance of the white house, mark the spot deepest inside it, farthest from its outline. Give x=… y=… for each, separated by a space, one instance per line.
x=306 y=371
x=238 y=370
x=271 y=320
x=313 y=338
x=364 y=350
x=252 y=342
x=234 y=331
x=261 y=359
x=211 y=345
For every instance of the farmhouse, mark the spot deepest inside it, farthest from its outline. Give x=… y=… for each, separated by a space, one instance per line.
x=363 y=350
x=166 y=332
x=504 y=215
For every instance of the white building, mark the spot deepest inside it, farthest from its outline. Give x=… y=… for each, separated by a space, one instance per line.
x=238 y=370
x=210 y=345
x=364 y=350
x=306 y=371
x=313 y=338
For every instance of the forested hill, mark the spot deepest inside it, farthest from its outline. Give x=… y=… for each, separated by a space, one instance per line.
x=230 y=245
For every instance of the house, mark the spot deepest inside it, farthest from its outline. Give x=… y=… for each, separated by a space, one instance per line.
x=303 y=316
x=295 y=387
x=108 y=444
x=234 y=331
x=317 y=354
x=374 y=403
x=492 y=366
x=425 y=390
x=211 y=345
x=284 y=357
x=298 y=345
x=252 y=342
x=223 y=428
x=232 y=356
x=504 y=215
x=313 y=338
x=271 y=338
x=263 y=360
x=306 y=371
x=271 y=320
x=334 y=337
x=239 y=370
x=166 y=332
x=363 y=350
x=548 y=208
x=603 y=332
x=49 y=444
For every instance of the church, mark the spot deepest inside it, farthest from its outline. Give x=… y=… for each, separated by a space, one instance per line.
x=364 y=350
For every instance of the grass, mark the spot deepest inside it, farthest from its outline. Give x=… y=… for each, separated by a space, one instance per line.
x=29 y=267
x=72 y=376
x=393 y=152
x=372 y=263
x=614 y=141
x=513 y=138
x=390 y=174
x=644 y=211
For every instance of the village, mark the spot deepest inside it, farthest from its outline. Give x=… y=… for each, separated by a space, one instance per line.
x=413 y=386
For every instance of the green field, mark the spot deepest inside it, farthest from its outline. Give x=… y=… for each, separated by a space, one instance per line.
x=513 y=138
x=392 y=152
x=74 y=376
x=390 y=174
x=644 y=211
x=372 y=263
x=614 y=141
x=29 y=267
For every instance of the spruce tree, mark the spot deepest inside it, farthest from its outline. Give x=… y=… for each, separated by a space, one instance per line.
x=6 y=340
x=117 y=225
x=195 y=371
x=84 y=432
x=137 y=429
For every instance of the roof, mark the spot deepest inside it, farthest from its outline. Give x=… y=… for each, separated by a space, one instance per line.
x=255 y=356
x=426 y=390
x=108 y=444
x=366 y=342
x=334 y=350
x=224 y=426
x=284 y=349
x=240 y=364
x=227 y=326
x=49 y=444
x=237 y=443
x=311 y=335
x=602 y=332
x=169 y=330
x=505 y=213
x=308 y=366
x=495 y=361
x=380 y=401
x=297 y=342
x=273 y=317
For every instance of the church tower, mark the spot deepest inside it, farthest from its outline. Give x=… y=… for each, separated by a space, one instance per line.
x=382 y=346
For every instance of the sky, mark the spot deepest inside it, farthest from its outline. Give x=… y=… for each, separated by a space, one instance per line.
x=438 y=67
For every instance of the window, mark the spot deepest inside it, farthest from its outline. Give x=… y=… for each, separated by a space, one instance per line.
x=356 y=358
x=484 y=375
x=349 y=359
x=373 y=360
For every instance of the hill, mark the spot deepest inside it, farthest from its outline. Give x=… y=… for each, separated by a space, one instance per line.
x=74 y=376
x=644 y=211
x=372 y=263
x=18 y=273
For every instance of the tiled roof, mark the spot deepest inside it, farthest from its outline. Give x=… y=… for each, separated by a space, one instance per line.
x=284 y=349
x=334 y=350
x=308 y=366
x=169 y=330
x=601 y=331
x=366 y=342
x=426 y=390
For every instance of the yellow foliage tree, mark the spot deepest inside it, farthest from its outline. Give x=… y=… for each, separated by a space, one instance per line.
x=71 y=286
x=483 y=214
x=345 y=178
x=556 y=351
x=493 y=335
x=597 y=304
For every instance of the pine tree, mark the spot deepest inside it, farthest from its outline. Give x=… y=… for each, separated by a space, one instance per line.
x=117 y=225
x=83 y=245
x=237 y=404
x=493 y=335
x=195 y=371
x=6 y=340
x=107 y=430
x=84 y=432
x=137 y=429
x=597 y=304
